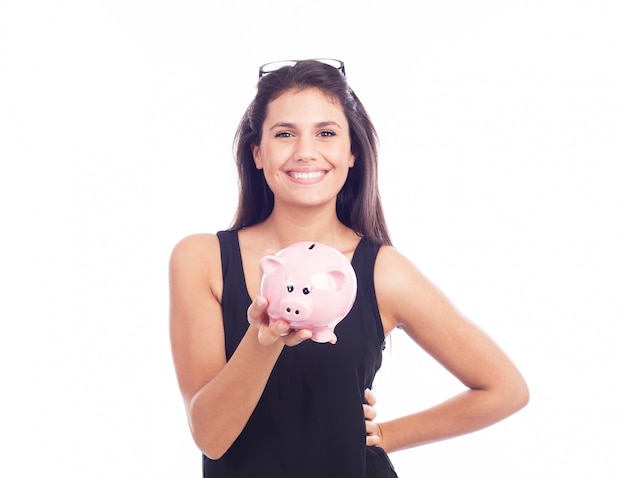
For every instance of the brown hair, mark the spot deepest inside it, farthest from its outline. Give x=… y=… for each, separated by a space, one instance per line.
x=358 y=203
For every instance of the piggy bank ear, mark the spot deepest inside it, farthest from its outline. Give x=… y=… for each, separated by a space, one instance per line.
x=338 y=277
x=270 y=264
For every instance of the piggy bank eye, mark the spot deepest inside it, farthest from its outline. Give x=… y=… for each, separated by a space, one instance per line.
x=306 y=290
x=290 y=286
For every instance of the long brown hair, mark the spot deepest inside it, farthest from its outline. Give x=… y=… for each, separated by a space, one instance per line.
x=358 y=203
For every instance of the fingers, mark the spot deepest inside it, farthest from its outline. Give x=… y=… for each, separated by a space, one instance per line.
x=296 y=337
x=373 y=434
x=278 y=330
x=369 y=412
x=372 y=429
x=256 y=311
x=257 y=316
x=370 y=397
x=270 y=334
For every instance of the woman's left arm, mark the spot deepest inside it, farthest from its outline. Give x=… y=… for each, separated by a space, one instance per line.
x=495 y=387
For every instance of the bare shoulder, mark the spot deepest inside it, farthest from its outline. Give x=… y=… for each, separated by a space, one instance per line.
x=196 y=258
x=404 y=294
x=395 y=278
x=194 y=244
x=395 y=273
x=389 y=256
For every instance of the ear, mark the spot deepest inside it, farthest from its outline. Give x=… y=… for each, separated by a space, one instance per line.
x=338 y=277
x=351 y=160
x=270 y=264
x=256 y=155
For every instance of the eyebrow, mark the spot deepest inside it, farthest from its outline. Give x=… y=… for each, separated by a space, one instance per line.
x=321 y=124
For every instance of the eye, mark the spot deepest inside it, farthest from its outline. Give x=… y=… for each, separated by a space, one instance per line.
x=290 y=286
x=327 y=134
x=283 y=134
x=306 y=290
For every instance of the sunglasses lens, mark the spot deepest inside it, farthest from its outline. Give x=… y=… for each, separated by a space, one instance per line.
x=334 y=63
x=275 y=65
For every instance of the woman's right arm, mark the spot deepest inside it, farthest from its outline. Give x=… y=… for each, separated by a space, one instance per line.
x=219 y=396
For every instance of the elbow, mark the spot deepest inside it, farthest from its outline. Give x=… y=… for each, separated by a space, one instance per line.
x=523 y=394
x=209 y=448
x=518 y=394
x=204 y=433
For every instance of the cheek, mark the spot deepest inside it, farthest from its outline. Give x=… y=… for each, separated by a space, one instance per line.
x=348 y=159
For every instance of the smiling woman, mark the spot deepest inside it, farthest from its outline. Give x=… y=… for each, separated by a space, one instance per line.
x=358 y=202
x=263 y=399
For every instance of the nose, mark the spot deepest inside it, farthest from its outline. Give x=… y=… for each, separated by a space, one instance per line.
x=305 y=149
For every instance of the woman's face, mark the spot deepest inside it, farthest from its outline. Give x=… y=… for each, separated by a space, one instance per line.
x=305 y=148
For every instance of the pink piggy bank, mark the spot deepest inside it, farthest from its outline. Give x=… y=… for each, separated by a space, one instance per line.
x=311 y=286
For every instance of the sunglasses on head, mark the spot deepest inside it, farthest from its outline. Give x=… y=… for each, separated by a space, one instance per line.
x=276 y=65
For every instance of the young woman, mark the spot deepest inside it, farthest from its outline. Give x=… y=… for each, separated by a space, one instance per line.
x=264 y=400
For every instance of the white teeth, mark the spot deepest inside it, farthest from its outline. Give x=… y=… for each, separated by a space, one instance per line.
x=311 y=175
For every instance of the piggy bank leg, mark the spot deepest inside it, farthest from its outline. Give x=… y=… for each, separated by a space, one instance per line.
x=323 y=335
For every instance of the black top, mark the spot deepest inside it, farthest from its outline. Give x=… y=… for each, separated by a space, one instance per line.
x=309 y=421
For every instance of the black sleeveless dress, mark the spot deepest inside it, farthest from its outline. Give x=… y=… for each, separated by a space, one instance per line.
x=309 y=421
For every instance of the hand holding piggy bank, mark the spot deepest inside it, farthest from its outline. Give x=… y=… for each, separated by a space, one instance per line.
x=311 y=286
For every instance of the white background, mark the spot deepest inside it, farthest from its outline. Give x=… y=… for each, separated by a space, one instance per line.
x=502 y=129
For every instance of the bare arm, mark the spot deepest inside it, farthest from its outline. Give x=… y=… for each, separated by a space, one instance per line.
x=219 y=396
x=495 y=388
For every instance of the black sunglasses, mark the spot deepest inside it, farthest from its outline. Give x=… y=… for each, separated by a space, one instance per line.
x=276 y=65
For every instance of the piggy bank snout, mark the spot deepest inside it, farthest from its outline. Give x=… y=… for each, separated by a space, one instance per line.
x=294 y=309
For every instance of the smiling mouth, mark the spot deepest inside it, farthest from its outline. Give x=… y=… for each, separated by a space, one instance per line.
x=307 y=175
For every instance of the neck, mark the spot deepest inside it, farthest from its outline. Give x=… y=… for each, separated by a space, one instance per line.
x=286 y=226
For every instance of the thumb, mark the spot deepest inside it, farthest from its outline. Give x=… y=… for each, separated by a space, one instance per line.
x=257 y=310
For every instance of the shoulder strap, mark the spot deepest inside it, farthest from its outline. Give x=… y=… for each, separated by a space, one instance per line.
x=363 y=263
x=235 y=298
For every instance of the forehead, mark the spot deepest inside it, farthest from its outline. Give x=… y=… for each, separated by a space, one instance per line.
x=309 y=103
